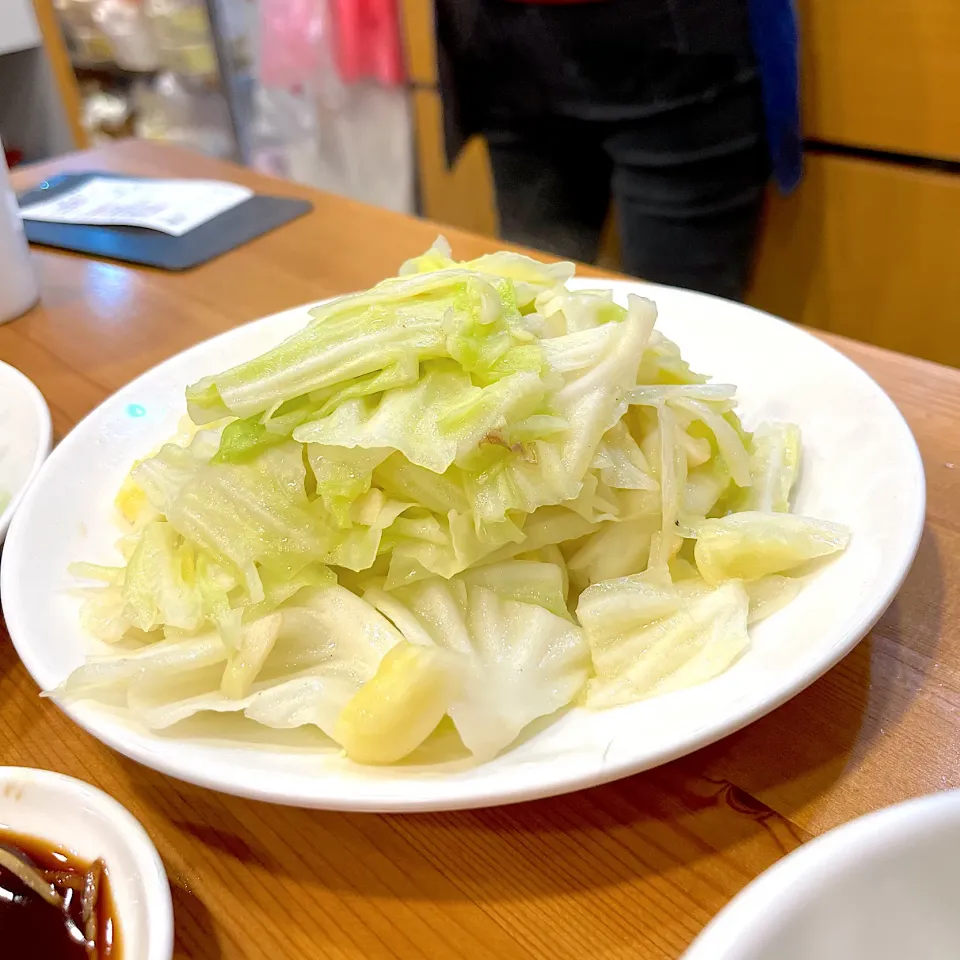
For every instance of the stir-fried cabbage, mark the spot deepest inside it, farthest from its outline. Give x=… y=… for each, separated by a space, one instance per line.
x=469 y=493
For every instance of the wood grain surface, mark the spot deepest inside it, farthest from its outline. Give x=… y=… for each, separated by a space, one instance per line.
x=630 y=870
x=867 y=250
x=882 y=74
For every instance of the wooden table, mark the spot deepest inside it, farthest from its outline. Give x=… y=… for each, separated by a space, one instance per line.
x=630 y=870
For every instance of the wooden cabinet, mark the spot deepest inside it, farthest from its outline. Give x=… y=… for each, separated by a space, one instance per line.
x=419 y=43
x=865 y=248
x=883 y=74
x=868 y=250
x=463 y=196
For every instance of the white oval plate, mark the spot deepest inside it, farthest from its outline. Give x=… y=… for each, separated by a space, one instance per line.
x=880 y=888
x=25 y=437
x=87 y=822
x=860 y=467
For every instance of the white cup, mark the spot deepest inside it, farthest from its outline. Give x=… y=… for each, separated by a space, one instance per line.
x=19 y=289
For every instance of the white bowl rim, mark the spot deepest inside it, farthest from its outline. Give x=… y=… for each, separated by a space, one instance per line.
x=803 y=868
x=44 y=446
x=156 y=887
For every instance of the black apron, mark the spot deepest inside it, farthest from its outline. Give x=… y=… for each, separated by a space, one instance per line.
x=500 y=60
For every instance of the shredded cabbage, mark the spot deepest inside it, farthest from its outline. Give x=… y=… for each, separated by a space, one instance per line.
x=468 y=492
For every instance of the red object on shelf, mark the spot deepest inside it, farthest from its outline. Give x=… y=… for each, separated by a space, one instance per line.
x=363 y=36
x=13 y=156
x=367 y=40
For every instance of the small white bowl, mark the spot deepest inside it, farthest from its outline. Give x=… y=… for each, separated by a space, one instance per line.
x=26 y=435
x=883 y=887
x=85 y=821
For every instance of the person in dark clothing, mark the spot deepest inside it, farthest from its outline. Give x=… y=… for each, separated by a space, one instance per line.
x=656 y=103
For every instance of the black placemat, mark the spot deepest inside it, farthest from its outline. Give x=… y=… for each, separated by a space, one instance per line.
x=232 y=228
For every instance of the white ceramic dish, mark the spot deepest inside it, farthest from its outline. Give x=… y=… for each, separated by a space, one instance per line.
x=25 y=437
x=860 y=467
x=880 y=888
x=85 y=821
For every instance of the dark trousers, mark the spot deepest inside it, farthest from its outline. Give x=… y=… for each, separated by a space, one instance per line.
x=580 y=103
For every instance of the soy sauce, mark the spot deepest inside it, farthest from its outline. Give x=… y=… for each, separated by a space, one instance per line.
x=80 y=925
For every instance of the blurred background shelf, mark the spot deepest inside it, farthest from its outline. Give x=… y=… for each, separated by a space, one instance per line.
x=314 y=92
x=39 y=106
x=866 y=246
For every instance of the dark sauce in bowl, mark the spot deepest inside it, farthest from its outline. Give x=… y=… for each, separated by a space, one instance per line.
x=54 y=906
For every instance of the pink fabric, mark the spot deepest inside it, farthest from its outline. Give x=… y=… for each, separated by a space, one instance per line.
x=291 y=32
x=367 y=40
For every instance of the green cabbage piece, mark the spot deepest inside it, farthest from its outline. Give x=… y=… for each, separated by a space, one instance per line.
x=751 y=545
x=520 y=661
x=527 y=476
x=774 y=465
x=647 y=638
